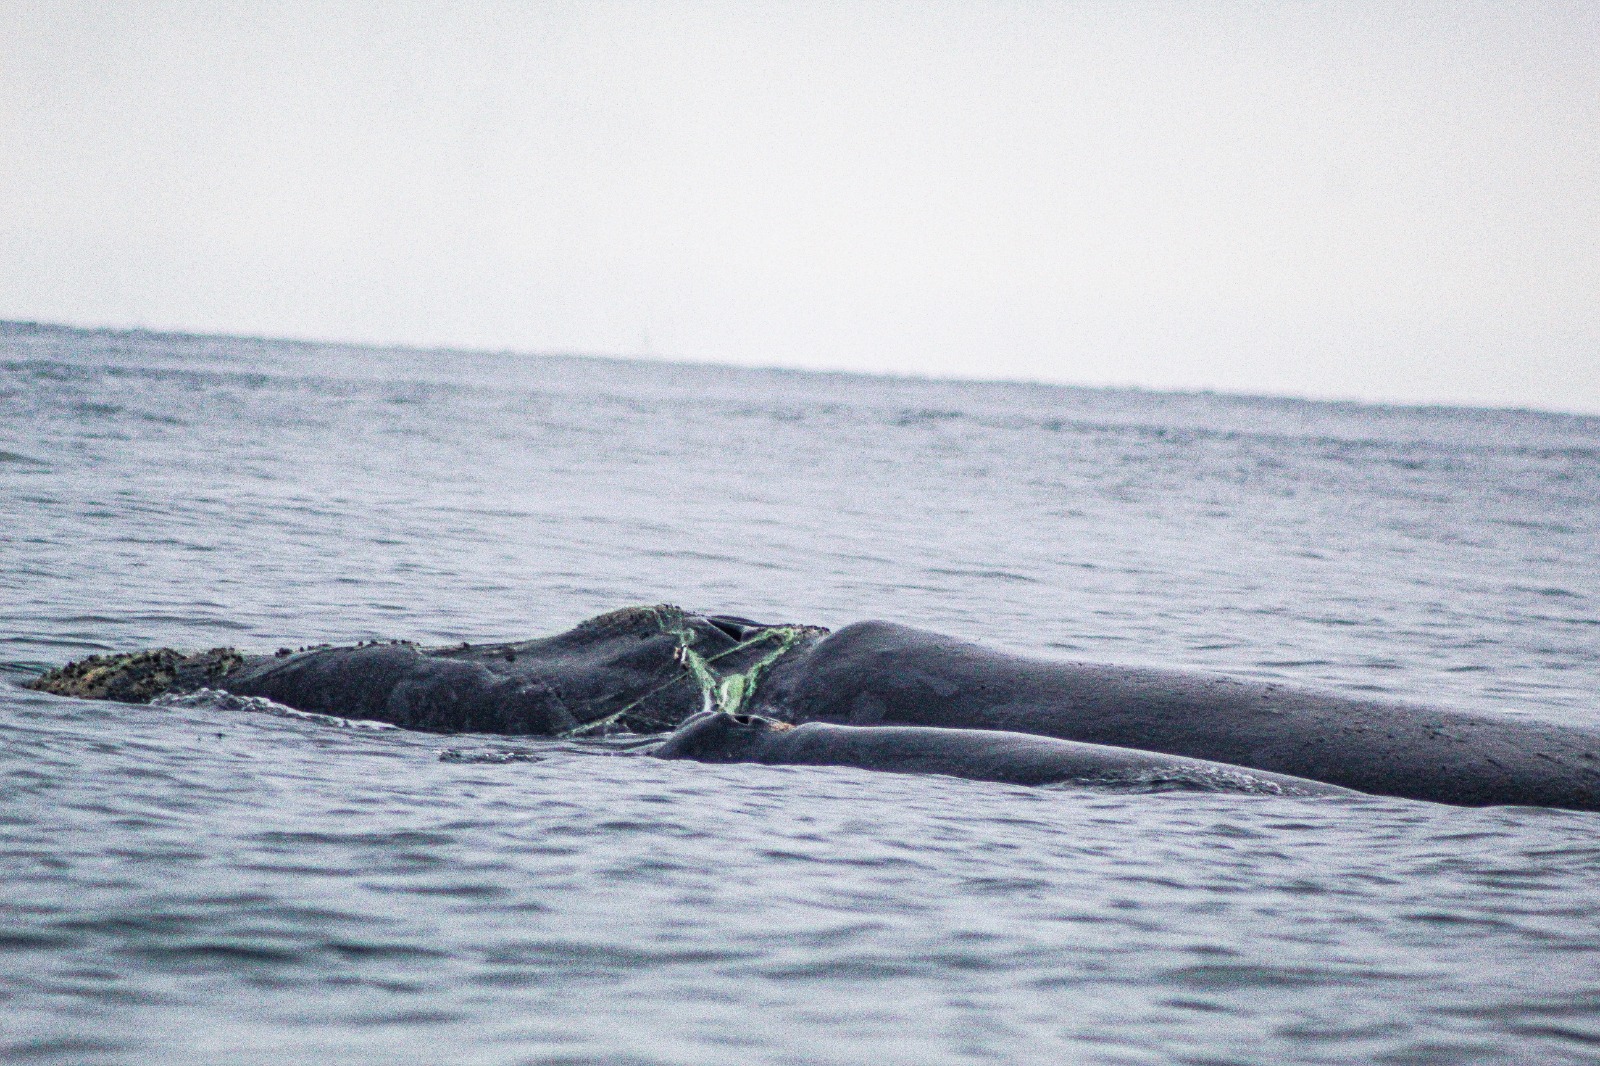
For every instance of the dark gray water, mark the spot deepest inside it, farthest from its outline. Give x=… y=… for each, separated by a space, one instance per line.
x=198 y=885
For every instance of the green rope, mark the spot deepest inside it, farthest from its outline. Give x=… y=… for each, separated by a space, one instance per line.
x=730 y=692
x=727 y=693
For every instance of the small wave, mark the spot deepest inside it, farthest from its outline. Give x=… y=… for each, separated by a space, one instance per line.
x=924 y=416
x=989 y=574
x=1552 y=591
x=489 y=755
x=1186 y=779
x=216 y=700
x=22 y=669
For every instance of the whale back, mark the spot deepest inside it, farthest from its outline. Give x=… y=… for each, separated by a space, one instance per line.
x=639 y=669
x=880 y=673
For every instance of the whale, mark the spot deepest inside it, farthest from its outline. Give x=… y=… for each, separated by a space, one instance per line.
x=881 y=673
x=975 y=754
x=638 y=669
x=647 y=670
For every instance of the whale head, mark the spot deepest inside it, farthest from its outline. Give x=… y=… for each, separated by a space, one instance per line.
x=716 y=736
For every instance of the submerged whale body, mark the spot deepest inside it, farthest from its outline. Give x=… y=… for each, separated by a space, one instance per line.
x=649 y=669
x=977 y=754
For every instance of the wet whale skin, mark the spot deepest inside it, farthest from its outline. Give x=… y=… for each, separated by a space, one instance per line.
x=624 y=669
x=880 y=673
x=976 y=754
x=648 y=669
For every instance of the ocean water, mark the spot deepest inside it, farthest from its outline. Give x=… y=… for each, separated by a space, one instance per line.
x=201 y=885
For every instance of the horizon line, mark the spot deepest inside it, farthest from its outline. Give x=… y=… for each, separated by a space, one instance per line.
x=892 y=375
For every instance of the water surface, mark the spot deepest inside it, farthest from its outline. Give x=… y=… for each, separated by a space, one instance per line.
x=193 y=885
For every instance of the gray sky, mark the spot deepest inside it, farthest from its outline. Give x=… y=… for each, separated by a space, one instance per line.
x=1382 y=201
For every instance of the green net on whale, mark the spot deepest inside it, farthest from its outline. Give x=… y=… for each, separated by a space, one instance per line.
x=695 y=653
x=721 y=688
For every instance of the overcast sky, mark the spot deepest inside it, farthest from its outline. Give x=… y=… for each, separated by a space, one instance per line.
x=1382 y=201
